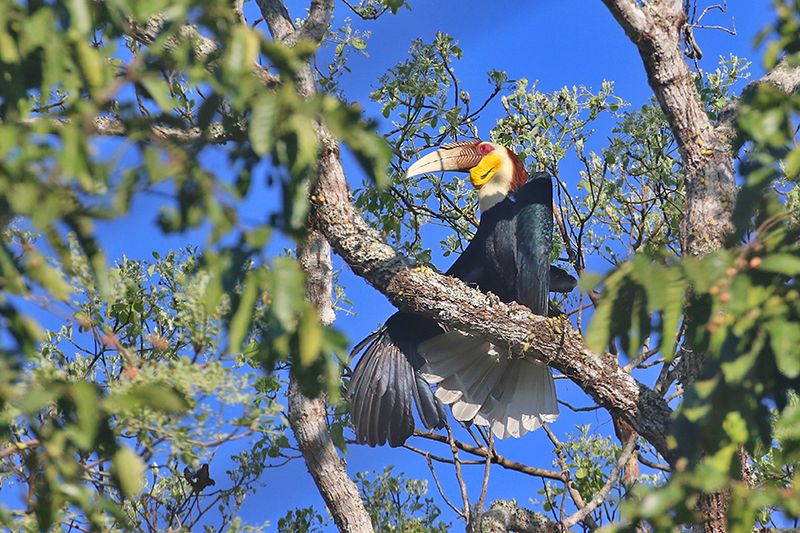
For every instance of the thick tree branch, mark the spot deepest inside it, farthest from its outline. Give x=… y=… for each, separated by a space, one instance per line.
x=629 y=15
x=282 y=29
x=277 y=17
x=308 y=417
x=784 y=77
x=203 y=46
x=506 y=515
x=449 y=301
x=216 y=133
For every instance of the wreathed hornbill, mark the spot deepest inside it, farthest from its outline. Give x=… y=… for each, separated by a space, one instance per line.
x=509 y=256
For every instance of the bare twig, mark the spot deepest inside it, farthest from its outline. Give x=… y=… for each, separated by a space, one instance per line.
x=439 y=487
x=18 y=447
x=459 y=473
x=652 y=464
x=496 y=458
x=485 y=485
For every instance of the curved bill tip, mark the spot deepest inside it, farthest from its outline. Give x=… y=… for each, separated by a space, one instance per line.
x=460 y=156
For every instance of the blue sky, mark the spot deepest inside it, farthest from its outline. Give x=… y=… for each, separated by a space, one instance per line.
x=558 y=43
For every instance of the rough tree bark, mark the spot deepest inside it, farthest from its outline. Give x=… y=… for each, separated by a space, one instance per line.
x=307 y=417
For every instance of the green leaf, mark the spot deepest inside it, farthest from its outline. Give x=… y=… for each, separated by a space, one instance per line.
x=309 y=335
x=739 y=366
x=337 y=436
x=241 y=320
x=736 y=427
x=359 y=44
x=589 y=281
x=81 y=16
x=242 y=50
x=674 y=288
x=159 y=92
x=37 y=399
x=92 y=64
x=47 y=276
x=302 y=144
x=258 y=237
x=793 y=164
x=10 y=276
x=263 y=123
x=781 y=263
x=85 y=396
x=157 y=396
x=787 y=428
x=288 y=291
x=372 y=152
x=127 y=469
x=599 y=331
x=784 y=338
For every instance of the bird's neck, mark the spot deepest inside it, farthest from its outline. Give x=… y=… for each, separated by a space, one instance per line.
x=492 y=194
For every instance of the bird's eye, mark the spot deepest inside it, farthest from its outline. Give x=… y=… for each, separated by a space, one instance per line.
x=485 y=148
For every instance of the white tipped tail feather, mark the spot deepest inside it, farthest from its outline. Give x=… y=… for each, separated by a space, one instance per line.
x=511 y=396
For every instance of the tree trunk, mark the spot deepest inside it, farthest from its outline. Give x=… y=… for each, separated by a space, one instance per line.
x=714 y=509
x=706 y=158
x=308 y=417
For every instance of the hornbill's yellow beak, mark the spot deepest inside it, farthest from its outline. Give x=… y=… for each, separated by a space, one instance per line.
x=476 y=157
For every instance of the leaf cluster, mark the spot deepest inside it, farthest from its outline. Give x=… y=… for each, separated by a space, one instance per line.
x=134 y=380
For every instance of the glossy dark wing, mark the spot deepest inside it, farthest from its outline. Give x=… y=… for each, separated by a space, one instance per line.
x=534 y=232
x=489 y=252
x=469 y=267
x=385 y=382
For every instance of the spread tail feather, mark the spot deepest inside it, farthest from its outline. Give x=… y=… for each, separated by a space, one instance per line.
x=511 y=396
x=382 y=389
